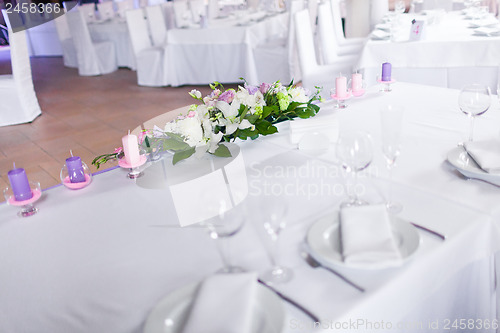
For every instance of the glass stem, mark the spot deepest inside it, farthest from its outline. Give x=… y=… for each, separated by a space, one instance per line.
x=222 y=248
x=389 y=196
x=471 y=132
x=273 y=253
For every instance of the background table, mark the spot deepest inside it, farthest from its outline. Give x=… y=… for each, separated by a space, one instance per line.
x=447 y=56
x=99 y=259
x=222 y=52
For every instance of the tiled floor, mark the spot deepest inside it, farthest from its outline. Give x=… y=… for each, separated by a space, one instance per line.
x=86 y=114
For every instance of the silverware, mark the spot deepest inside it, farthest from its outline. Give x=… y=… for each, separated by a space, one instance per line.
x=443 y=237
x=290 y=301
x=315 y=264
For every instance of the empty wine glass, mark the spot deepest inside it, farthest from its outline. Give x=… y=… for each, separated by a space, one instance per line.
x=274 y=221
x=474 y=100
x=400 y=7
x=226 y=223
x=355 y=152
x=391 y=125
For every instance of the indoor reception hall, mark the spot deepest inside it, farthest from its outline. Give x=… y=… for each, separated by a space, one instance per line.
x=249 y=166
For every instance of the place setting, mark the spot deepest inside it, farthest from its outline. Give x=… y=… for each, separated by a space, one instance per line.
x=476 y=159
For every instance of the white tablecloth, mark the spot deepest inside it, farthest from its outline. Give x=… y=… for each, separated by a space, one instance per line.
x=99 y=259
x=449 y=55
x=221 y=52
x=115 y=31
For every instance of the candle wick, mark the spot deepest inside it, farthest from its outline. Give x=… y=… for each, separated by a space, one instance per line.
x=71 y=152
x=128 y=132
x=14 y=163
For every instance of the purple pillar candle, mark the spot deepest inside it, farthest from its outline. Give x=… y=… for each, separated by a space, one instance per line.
x=386 y=71
x=20 y=184
x=75 y=169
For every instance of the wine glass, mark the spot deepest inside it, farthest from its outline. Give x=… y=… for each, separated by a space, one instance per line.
x=400 y=7
x=474 y=100
x=226 y=223
x=273 y=214
x=355 y=151
x=391 y=125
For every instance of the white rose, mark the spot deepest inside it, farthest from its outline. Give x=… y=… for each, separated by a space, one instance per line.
x=195 y=93
x=298 y=95
x=192 y=131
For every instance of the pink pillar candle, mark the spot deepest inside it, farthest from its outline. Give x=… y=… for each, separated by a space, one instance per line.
x=20 y=184
x=341 y=87
x=357 y=82
x=131 y=149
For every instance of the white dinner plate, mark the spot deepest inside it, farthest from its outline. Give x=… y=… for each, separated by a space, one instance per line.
x=323 y=240
x=462 y=161
x=170 y=314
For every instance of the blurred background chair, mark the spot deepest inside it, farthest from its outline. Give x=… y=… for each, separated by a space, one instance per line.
x=157 y=25
x=67 y=45
x=19 y=101
x=149 y=58
x=314 y=74
x=93 y=58
x=105 y=10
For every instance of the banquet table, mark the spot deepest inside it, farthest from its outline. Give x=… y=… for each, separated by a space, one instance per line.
x=116 y=31
x=99 y=259
x=449 y=53
x=223 y=51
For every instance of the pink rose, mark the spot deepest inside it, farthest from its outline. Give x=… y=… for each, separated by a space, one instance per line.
x=227 y=96
x=264 y=87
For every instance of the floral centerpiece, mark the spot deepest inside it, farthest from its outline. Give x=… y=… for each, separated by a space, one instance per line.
x=226 y=115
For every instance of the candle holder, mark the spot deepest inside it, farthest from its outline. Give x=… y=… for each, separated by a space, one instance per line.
x=135 y=170
x=341 y=100
x=360 y=91
x=66 y=180
x=27 y=207
x=386 y=85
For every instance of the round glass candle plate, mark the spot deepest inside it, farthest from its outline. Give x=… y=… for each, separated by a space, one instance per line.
x=36 y=195
x=386 y=82
x=358 y=93
x=76 y=186
x=123 y=163
x=349 y=95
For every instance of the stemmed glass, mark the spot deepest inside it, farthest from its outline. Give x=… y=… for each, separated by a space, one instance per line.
x=400 y=7
x=274 y=221
x=474 y=100
x=225 y=224
x=391 y=125
x=355 y=151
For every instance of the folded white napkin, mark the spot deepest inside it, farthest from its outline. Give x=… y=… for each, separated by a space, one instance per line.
x=367 y=236
x=324 y=124
x=224 y=304
x=486 y=154
x=380 y=34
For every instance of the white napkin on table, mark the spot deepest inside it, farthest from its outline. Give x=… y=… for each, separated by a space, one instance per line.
x=486 y=154
x=224 y=304
x=367 y=236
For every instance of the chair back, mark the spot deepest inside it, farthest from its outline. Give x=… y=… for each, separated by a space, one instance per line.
x=294 y=70
x=69 y=5
x=305 y=42
x=213 y=9
x=138 y=30
x=378 y=9
x=157 y=25
x=143 y=3
x=87 y=58
x=253 y=4
x=88 y=11
x=123 y=6
x=62 y=28
x=337 y=20
x=106 y=10
x=327 y=36
x=312 y=5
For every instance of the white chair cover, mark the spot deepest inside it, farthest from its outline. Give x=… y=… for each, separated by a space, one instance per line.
x=123 y=6
x=183 y=16
x=168 y=13
x=253 y=4
x=150 y=60
x=378 y=9
x=69 y=5
x=17 y=95
x=312 y=73
x=88 y=11
x=105 y=10
x=157 y=25
x=198 y=9
x=93 y=58
x=357 y=18
x=143 y=3
x=277 y=59
x=312 y=5
x=337 y=21
x=437 y=4
x=67 y=45
x=213 y=9
x=331 y=50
